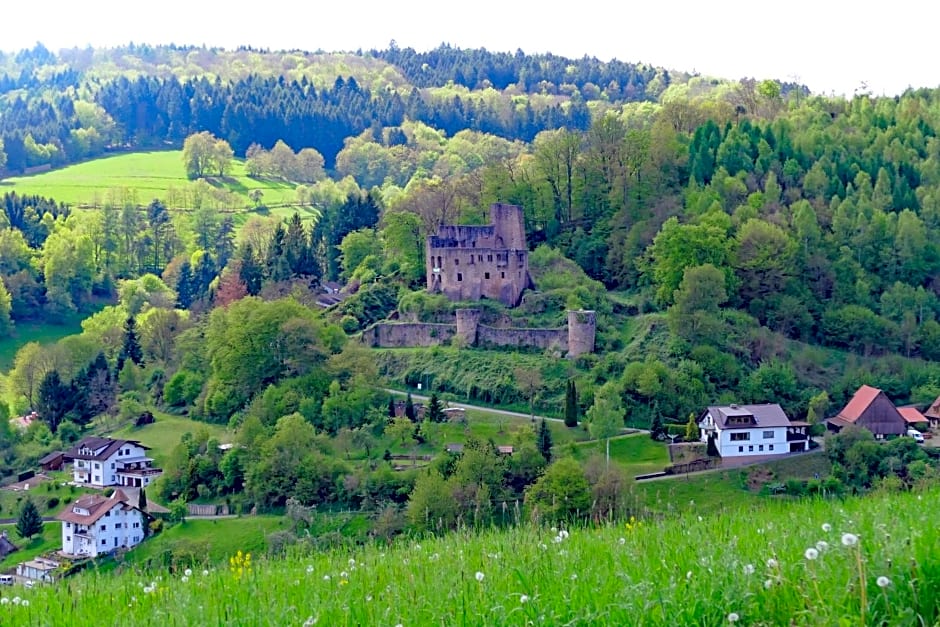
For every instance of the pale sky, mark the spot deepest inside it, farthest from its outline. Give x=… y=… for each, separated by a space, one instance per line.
x=830 y=46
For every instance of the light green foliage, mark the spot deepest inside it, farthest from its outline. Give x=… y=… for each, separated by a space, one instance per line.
x=696 y=314
x=6 y=305
x=357 y=249
x=68 y=267
x=605 y=416
x=562 y=493
x=148 y=291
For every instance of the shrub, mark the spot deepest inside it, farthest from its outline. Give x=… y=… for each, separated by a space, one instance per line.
x=52 y=503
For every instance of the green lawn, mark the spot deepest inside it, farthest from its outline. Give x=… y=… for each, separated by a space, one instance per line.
x=207 y=542
x=637 y=454
x=41 y=494
x=50 y=540
x=140 y=177
x=164 y=434
x=42 y=332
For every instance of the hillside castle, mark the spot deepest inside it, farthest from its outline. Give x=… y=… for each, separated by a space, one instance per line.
x=472 y=262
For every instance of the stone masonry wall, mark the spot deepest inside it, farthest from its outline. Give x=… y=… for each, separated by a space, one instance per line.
x=402 y=335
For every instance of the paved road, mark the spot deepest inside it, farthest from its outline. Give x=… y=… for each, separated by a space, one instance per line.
x=501 y=412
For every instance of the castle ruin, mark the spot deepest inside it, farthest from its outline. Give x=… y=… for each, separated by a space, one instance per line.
x=467 y=262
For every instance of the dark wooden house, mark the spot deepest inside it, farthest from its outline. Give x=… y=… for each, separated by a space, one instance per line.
x=53 y=461
x=872 y=409
x=933 y=414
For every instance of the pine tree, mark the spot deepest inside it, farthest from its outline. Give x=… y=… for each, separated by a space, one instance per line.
x=391 y=406
x=435 y=411
x=409 y=408
x=185 y=286
x=657 y=429
x=130 y=349
x=543 y=440
x=29 y=522
x=571 y=404
x=249 y=270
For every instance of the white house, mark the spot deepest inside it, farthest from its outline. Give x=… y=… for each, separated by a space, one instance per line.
x=95 y=524
x=740 y=430
x=102 y=462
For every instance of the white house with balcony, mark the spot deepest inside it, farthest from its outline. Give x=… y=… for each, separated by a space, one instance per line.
x=101 y=462
x=742 y=430
x=95 y=524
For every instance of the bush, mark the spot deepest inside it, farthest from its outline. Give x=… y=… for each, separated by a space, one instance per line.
x=52 y=503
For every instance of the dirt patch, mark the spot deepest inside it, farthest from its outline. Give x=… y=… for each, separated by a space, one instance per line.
x=758 y=476
x=28 y=484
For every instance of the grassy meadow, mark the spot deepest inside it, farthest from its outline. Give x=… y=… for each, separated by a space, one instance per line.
x=49 y=540
x=142 y=176
x=868 y=561
x=164 y=434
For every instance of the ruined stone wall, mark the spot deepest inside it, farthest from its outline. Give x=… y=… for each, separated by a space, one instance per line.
x=538 y=338
x=391 y=335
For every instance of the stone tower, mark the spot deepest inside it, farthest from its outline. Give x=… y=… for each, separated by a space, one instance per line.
x=468 y=320
x=582 y=329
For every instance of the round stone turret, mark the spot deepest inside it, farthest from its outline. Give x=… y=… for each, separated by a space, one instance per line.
x=467 y=322
x=582 y=329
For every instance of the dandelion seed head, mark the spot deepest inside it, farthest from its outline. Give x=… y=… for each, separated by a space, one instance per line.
x=25 y=603
x=4 y=601
x=352 y=562
x=826 y=527
x=480 y=576
x=749 y=569
x=622 y=541
x=574 y=576
x=310 y=622
x=344 y=575
x=309 y=569
x=849 y=539
x=184 y=578
x=688 y=575
x=811 y=554
x=524 y=598
x=768 y=583
x=188 y=572
x=326 y=577
x=883 y=582
x=733 y=617
x=563 y=534
x=822 y=545
x=772 y=563
x=205 y=573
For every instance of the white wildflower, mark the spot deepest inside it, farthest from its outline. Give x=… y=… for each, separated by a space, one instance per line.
x=4 y=601
x=574 y=576
x=554 y=529
x=883 y=582
x=768 y=583
x=688 y=575
x=749 y=569
x=811 y=554
x=822 y=545
x=772 y=563
x=352 y=562
x=622 y=541
x=480 y=576
x=849 y=539
x=557 y=539
x=309 y=569
x=184 y=578
x=733 y=617
x=563 y=534
x=524 y=598
x=205 y=573
x=326 y=577
x=25 y=603
x=344 y=575
x=310 y=622
x=826 y=527
x=188 y=572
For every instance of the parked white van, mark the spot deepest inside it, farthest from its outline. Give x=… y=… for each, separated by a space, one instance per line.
x=917 y=435
x=6 y=580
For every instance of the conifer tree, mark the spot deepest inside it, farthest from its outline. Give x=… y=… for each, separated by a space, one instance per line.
x=185 y=286
x=249 y=270
x=391 y=406
x=571 y=404
x=409 y=408
x=130 y=349
x=29 y=522
x=435 y=410
x=543 y=440
x=691 y=429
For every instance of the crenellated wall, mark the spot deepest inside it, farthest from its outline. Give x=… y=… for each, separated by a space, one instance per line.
x=576 y=338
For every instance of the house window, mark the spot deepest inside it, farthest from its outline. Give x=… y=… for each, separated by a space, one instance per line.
x=740 y=449
x=740 y=437
x=97 y=478
x=103 y=541
x=68 y=538
x=760 y=447
x=750 y=449
x=771 y=446
x=112 y=465
x=97 y=465
x=136 y=525
x=459 y=277
x=768 y=435
x=120 y=452
x=103 y=527
x=486 y=275
x=107 y=514
x=68 y=525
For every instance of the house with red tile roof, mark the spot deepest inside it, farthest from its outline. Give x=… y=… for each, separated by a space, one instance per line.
x=872 y=409
x=932 y=413
x=913 y=418
x=96 y=524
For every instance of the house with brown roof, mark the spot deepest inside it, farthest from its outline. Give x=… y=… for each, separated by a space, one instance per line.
x=932 y=414
x=53 y=461
x=101 y=462
x=872 y=409
x=741 y=430
x=95 y=524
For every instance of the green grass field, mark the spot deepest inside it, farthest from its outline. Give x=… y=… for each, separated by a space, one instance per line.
x=43 y=332
x=862 y=561
x=636 y=454
x=141 y=177
x=163 y=435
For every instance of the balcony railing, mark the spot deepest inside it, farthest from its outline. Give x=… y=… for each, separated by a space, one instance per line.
x=797 y=437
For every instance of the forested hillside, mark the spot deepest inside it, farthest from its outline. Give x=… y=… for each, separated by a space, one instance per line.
x=741 y=241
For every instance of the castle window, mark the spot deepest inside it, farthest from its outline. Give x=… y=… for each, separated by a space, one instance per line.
x=479 y=257
x=471 y=260
x=459 y=277
x=486 y=275
x=489 y=257
x=456 y=262
x=502 y=275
